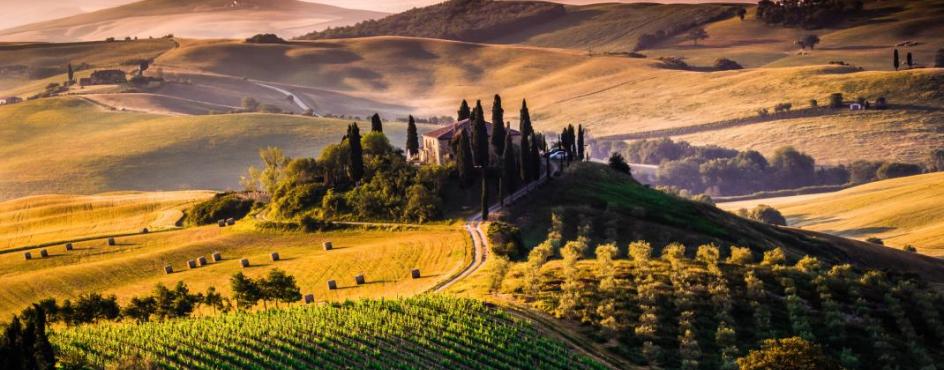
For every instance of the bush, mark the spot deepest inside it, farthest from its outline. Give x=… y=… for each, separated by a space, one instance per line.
x=505 y=239
x=910 y=248
x=619 y=164
x=674 y=62
x=222 y=206
x=893 y=170
x=767 y=214
x=836 y=100
x=789 y=353
x=814 y=103
x=881 y=103
x=265 y=38
x=861 y=172
x=725 y=64
x=875 y=240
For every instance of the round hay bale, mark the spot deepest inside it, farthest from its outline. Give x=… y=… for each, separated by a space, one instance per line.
x=230 y=221
x=221 y=223
x=244 y=262
x=359 y=279
x=43 y=253
x=328 y=246
x=202 y=261
x=415 y=273
x=145 y=231
x=168 y=270
x=69 y=247
x=332 y=285
x=275 y=257
x=217 y=256
x=191 y=264
x=28 y=256
x=309 y=298
x=111 y=241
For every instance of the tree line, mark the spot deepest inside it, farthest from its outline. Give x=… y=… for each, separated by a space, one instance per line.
x=807 y=13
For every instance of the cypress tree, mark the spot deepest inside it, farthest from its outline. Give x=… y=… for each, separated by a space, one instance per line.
x=524 y=124
x=464 y=111
x=909 y=60
x=463 y=150
x=895 y=61
x=480 y=136
x=525 y=162
x=939 y=58
x=498 y=125
x=509 y=177
x=357 y=153
x=71 y=73
x=42 y=350
x=376 y=125
x=11 y=355
x=535 y=160
x=484 y=195
x=412 y=138
x=580 y=144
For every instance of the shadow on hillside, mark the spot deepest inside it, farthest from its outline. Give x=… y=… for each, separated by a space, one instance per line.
x=862 y=231
x=804 y=220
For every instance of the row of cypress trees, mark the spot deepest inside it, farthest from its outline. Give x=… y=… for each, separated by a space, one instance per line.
x=24 y=344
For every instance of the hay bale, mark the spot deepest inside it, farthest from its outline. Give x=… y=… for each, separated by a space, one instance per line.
x=202 y=261
x=28 y=256
x=415 y=273
x=244 y=262
x=111 y=241
x=168 y=270
x=217 y=256
x=221 y=223
x=191 y=264
x=145 y=231
x=309 y=298
x=332 y=285
x=359 y=279
x=43 y=253
x=69 y=247
x=328 y=246
x=230 y=221
x=274 y=256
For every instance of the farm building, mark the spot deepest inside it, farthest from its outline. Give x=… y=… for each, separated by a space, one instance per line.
x=437 y=144
x=104 y=77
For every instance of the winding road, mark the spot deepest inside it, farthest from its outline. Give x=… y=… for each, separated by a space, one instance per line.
x=295 y=98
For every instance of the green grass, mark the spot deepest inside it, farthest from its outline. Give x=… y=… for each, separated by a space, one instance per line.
x=420 y=332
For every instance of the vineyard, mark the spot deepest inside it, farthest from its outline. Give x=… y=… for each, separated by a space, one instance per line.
x=705 y=312
x=428 y=332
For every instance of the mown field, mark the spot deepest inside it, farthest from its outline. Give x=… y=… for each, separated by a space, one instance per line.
x=135 y=265
x=70 y=145
x=430 y=332
x=902 y=211
x=49 y=218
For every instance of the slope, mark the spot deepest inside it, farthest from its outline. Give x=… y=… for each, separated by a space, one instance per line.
x=617 y=207
x=191 y=18
x=900 y=211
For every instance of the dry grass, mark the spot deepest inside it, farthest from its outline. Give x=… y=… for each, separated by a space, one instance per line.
x=50 y=218
x=135 y=265
x=900 y=211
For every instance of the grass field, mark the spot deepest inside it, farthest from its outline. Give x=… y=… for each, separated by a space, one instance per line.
x=430 y=332
x=50 y=218
x=135 y=264
x=69 y=145
x=899 y=211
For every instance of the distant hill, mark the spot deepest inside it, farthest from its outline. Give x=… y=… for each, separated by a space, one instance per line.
x=191 y=18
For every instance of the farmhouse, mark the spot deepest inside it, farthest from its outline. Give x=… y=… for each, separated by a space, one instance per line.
x=437 y=144
x=10 y=100
x=104 y=77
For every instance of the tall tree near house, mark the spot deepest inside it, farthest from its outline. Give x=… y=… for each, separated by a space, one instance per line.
x=480 y=136
x=580 y=143
x=909 y=60
x=71 y=74
x=509 y=176
x=412 y=138
x=357 y=153
x=525 y=162
x=376 y=125
x=464 y=162
x=464 y=111
x=498 y=125
x=895 y=60
x=524 y=124
x=696 y=34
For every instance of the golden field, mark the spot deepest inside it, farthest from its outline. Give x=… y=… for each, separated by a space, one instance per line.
x=900 y=211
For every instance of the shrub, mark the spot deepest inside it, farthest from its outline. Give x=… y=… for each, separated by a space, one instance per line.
x=725 y=64
x=893 y=170
x=740 y=256
x=674 y=62
x=767 y=214
x=619 y=164
x=875 y=240
x=861 y=172
x=910 y=248
x=783 y=107
x=763 y=112
x=789 y=353
x=881 y=103
x=222 y=206
x=836 y=100
x=265 y=38
x=814 y=103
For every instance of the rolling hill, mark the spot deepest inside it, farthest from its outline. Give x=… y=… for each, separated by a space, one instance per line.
x=902 y=211
x=191 y=18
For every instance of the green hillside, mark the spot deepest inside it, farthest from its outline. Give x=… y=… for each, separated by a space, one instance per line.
x=422 y=332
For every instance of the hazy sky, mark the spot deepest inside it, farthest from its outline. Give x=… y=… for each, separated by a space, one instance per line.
x=16 y=12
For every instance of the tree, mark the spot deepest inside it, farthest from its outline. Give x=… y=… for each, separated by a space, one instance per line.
x=140 y=309
x=891 y=170
x=279 y=287
x=741 y=13
x=619 y=164
x=725 y=64
x=213 y=299
x=767 y=214
x=526 y=161
x=143 y=66
x=895 y=61
x=250 y=104
x=175 y=303
x=376 y=125
x=810 y=41
x=422 y=204
x=535 y=160
x=510 y=171
x=357 y=154
x=835 y=100
x=939 y=58
x=524 y=124
x=498 y=125
x=909 y=60
x=480 y=145
x=245 y=291
x=788 y=353
x=580 y=143
x=464 y=111
x=792 y=169
x=464 y=161
x=696 y=34
x=412 y=138
x=936 y=160
x=484 y=195
x=71 y=73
